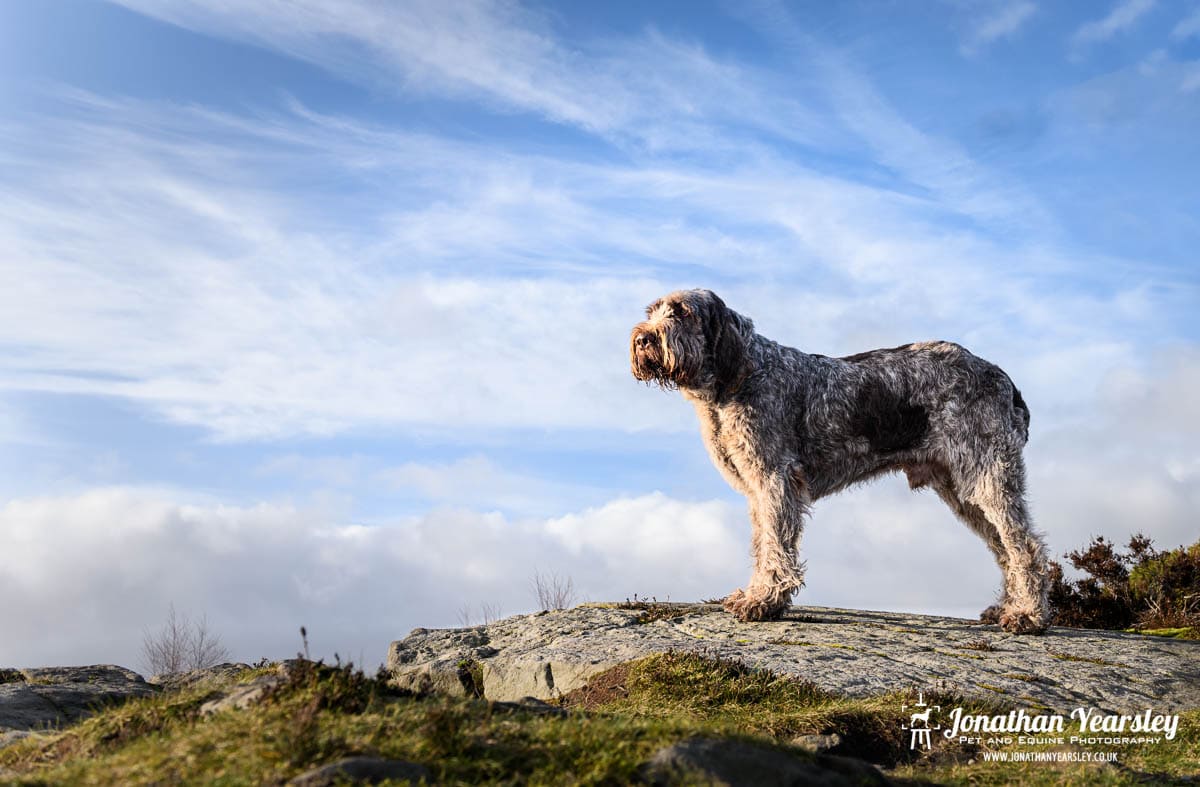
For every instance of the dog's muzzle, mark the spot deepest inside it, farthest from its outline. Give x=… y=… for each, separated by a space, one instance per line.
x=647 y=365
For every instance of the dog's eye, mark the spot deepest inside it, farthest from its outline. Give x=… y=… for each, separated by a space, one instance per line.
x=679 y=310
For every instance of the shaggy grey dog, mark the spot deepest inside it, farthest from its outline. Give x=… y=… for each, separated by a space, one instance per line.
x=786 y=428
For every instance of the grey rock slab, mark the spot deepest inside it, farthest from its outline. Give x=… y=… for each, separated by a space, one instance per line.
x=851 y=652
x=363 y=770
x=242 y=696
x=738 y=763
x=57 y=696
x=216 y=676
x=16 y=736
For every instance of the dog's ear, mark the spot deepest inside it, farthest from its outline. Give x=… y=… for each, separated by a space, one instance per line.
x=726 y=332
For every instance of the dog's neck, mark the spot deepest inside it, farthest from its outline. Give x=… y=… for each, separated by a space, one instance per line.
x=717 y=391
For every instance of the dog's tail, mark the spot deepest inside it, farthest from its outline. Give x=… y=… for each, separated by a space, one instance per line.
x=1020 y=411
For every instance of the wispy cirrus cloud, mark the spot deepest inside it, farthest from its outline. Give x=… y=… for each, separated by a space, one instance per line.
x=1122 y=17
x=1000 y=22
x=658 y=93
x=514 y=59
x=1186 y=28
x=187 y=276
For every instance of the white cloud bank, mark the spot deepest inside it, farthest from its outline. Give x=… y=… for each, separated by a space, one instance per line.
x=93 y=570
x=88 y=573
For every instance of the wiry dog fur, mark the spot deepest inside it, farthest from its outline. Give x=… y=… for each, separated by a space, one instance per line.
x=786 y=428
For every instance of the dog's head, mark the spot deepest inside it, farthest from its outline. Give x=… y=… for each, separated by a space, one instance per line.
x=690 y=339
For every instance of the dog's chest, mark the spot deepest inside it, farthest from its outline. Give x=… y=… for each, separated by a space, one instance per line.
x=729 y=437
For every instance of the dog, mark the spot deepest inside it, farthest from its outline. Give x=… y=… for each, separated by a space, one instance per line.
x=786 y=428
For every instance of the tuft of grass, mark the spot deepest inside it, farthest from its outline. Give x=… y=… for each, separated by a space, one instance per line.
x=990 y=687
x=979 y=644
x=1086 y=660
x=651 y=609
x=1183 y=632
x=959 y=655
x=791 y=642
x=470 y=675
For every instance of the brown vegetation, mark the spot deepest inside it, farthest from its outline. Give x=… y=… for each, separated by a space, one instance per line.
x=1138 y=587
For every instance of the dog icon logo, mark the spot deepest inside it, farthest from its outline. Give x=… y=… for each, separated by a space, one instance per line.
x=919 y=727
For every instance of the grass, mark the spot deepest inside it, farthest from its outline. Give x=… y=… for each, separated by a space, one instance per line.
x=979 y=644
x=1087 y=660
x=651 y=609
x=1179 y=632
x=612 y=726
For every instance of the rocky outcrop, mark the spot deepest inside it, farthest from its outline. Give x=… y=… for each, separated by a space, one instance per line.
x=216 y=676
x=856 y=653
x=35 y=699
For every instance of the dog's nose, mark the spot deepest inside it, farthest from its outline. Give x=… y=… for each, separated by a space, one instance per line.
x=643 y=339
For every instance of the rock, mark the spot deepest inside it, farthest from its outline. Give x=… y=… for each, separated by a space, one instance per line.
x=845 y=651
x=363 y=770
x=242 y=696
x=817 y=743
x=15 y=736
x=736 y=763
x=57 y=696
x=218 y=675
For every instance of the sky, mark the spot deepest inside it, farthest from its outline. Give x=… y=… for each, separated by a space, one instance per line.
x=317 y=313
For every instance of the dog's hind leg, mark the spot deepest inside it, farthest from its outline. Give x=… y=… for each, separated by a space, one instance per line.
x=999 y=492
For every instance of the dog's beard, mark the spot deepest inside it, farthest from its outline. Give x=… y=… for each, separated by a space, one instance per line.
x=649 y=366
x=668 y=363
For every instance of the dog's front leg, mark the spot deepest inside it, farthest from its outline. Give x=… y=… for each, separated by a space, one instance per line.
x=777 y=510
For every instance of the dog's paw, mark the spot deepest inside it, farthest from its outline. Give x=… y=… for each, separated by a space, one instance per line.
x=732 y=599
x=748 y=608
x=1019 y=622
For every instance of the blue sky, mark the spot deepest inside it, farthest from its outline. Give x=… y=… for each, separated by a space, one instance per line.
x=316 y=313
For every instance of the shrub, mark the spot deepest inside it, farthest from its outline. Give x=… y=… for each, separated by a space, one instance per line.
x=553 y=591
x=1138 y=586
x=181 y=645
